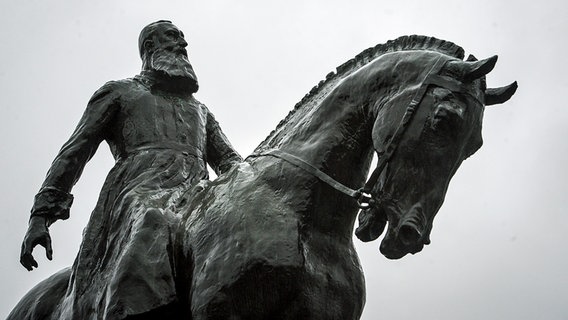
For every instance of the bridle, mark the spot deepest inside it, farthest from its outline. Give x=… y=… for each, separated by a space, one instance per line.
x=365 y=198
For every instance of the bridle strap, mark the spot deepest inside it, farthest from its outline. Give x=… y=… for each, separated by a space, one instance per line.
x=452 y=85
x=308 y=167
x=402 y=126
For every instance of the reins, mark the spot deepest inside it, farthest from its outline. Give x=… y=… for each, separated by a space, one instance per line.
x=308 y=167
x=364 y=195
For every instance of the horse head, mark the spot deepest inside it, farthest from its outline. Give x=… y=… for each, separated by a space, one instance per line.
x=420 y=145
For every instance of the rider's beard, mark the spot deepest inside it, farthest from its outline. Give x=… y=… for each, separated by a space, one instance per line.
x=176 y=70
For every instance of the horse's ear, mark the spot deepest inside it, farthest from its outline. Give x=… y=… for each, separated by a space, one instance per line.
x=499 y=95
x=477 y=69
x=472 y=69
x=471 y=57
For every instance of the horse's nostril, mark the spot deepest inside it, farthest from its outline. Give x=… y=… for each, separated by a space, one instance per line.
x=408 y=235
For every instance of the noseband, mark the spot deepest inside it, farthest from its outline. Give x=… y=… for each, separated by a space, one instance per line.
x=364 y=195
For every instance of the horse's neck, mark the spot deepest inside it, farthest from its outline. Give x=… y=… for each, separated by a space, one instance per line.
x=338 y=120
x=333 y=136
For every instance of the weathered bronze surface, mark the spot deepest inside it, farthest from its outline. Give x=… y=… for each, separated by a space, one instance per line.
x=271 y=238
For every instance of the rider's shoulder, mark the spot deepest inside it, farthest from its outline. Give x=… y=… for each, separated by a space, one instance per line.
x=119 y=85
x=110 y=91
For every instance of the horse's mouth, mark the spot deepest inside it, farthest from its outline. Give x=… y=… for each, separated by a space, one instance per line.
x=395 y=252
x=405 y=233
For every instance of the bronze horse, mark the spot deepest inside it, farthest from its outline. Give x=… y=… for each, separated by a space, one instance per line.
x=272 y=238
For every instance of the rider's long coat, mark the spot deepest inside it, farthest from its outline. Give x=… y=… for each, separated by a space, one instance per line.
x=161 y=143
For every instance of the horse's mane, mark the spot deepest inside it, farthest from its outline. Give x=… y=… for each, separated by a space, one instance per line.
x=404 y=43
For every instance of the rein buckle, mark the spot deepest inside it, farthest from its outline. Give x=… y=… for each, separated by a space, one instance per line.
x=365 y=200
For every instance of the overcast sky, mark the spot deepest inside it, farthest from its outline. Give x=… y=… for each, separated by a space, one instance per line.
x=497 y=247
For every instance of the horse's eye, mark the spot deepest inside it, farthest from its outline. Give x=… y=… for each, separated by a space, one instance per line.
x=447 y=117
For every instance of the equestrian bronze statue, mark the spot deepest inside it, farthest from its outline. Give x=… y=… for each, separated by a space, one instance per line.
x=271 y=237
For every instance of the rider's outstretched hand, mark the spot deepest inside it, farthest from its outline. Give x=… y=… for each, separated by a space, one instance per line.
x=37 y=234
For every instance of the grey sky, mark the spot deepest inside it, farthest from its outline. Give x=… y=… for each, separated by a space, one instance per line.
x=497 y=245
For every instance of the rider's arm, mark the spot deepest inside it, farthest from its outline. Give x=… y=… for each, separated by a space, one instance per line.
x=54 y=198
x=221 y=155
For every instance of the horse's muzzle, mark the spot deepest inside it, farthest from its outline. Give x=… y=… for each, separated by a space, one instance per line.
x=405 y=235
